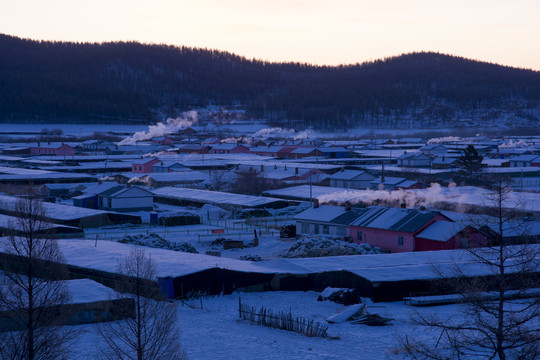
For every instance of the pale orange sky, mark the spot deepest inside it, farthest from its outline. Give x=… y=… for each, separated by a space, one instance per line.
x=314 y=31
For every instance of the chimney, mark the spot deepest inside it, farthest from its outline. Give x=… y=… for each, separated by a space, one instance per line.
x=315 y=203
x=422 y=208
x=262 y=168
x=128 y=185
x=296 y=171
x=347 y=206
x=403 y=205
x=100 y=182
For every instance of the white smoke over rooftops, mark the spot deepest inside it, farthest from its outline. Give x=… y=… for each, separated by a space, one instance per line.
x=170 y=126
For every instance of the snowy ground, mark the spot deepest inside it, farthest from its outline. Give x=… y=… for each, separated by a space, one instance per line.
x=215 y=332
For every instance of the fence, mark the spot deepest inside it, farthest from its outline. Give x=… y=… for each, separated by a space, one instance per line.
x=281 y=320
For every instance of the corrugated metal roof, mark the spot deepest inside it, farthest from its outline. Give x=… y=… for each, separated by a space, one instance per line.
x=406 y=220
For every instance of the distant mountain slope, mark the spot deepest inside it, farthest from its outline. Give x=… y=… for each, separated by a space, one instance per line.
x=133 y=82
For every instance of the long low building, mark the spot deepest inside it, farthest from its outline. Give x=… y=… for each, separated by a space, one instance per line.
x=72 y=215
x=382 y=277
x=180 y=196
x=11 y=225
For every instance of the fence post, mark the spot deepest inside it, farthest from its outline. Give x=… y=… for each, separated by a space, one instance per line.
x=239 y=307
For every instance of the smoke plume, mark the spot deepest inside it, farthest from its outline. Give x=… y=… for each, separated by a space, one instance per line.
x=170 y=126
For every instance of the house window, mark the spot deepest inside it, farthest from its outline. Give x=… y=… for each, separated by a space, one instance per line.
x=400 y=240
x=359 y=236
x=341 y=230
x=317 y=228
x=326 y=229
x=305 y=228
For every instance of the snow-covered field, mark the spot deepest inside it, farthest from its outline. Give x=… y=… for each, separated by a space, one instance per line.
x=215 y=332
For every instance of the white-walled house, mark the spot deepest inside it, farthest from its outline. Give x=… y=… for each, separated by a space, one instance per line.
x=326 y=220
x=414 y=160
x=434 y=149
x=352 y=179
x=126 y=198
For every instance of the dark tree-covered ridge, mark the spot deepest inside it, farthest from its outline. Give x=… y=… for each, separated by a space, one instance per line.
x=128 y=82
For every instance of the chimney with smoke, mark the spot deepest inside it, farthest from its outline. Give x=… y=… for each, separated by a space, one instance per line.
x=403 y=205
x=315 y=203
x=347 y=206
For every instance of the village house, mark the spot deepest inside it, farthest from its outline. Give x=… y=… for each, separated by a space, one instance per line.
x=96 y=146
x=433 y=149
x=126 y=198
x=525 y=161
x=352 y=179
x=445 y=162
x=194 y=149
x=414 y=160
x=303 y=152
x=163 y=140
x=391 y=183
x=320 y=220
x=58 y=149
x=228 y=148
x=168 y=166
x=266 y=150
x=334 y=152
x=392 y=229
x=144 y=165
x=446 y=235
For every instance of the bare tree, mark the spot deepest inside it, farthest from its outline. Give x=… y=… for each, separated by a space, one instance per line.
x=153 y=333
x=34 y=291
x=500 y=313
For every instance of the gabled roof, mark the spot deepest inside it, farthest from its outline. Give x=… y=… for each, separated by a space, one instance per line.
x=115 y=191
x=327 y=149
x=304 y=150
x=389 y=180
x=349 y=216
x=526 y=158
x=143 y=161
x=323 y=213
x=432 y=146
x=350 y=175
x=99 y=188
x=414 y=155
x=397 y=219
x=441 y=230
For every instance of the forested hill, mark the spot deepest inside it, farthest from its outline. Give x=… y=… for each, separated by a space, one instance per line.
x=133 y=82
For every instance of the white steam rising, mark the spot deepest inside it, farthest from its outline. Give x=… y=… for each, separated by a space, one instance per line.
x=272 y=132
x=170 y=126
x=512 y=144
x=444 y=139
x=426 y=197
x=306 y=134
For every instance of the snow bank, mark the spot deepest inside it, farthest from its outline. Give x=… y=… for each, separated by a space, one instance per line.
x=327 y=246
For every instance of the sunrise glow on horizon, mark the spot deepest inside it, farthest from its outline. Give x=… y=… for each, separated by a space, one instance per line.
x=316 y=31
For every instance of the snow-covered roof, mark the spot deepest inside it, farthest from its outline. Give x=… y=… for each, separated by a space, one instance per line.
x=323 y=213
x=99 y=188
x=397 y=219
x=21 y=171
x=143 y=161
x=526 y=158
x=388 y=180
x=350 y=175
x=441 y=230
x=55 y=211
x=214 y=197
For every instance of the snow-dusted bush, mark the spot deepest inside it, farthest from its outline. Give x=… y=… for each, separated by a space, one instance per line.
x=327 y=246
x=250 y=257
x=155 y=241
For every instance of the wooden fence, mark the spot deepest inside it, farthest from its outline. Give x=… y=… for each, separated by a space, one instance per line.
x=281 y=320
